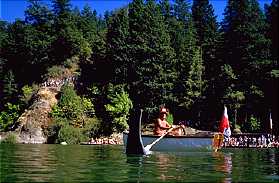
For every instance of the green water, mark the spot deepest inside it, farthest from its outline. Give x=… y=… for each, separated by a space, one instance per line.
x=77 y=163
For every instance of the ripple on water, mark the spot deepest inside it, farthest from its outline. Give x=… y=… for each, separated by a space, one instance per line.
x=56 y=163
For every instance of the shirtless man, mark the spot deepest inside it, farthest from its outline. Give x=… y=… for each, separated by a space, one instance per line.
x=161 y=125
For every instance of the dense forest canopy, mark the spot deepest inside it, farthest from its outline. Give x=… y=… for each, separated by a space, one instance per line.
x=147 y=54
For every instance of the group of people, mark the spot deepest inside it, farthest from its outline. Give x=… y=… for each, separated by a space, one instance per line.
x=58 y=82
x=100 y=141
x=245 y=141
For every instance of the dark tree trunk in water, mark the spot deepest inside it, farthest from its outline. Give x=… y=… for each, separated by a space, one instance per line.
x=134 y=141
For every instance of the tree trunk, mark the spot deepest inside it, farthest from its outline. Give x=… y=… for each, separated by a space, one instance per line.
x=235 y=117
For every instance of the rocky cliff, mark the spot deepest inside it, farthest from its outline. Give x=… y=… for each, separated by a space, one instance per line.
x=32 y=123
x=35 y=119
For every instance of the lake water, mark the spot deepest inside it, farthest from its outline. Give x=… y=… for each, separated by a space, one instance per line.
x=109 y=163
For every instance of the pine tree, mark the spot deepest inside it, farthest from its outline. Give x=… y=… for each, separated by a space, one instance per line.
x=16 y=51
x=94 y=32
x=61 y=8
x=208 y=37
x=160 y=57
x=243 y=28
x=69 y=40
x=207 y=33
x=194 y=83
x=205 y=22
x=181 y=10
x=3 y=33
x=246 y=49
x=189 y=63
x=136 y=44
x=117 y=45
x=88 y=24
x=271 y=89
x=151 y=54
x=10 y=87
x=3 y=41
x=165 y=7
x=38 y=14
x=39 y=37
x=272 y=28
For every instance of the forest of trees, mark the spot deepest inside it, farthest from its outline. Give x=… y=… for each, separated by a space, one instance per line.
x=147 y=54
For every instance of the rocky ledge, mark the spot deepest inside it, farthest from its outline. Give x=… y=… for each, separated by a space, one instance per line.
x=32 y=122
x=31 y=125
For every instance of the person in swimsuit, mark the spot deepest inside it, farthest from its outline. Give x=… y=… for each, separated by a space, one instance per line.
x=162 y=126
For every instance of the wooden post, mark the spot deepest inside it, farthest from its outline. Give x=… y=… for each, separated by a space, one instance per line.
x=235 y=114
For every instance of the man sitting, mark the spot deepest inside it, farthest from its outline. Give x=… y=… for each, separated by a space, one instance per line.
x=162 y=126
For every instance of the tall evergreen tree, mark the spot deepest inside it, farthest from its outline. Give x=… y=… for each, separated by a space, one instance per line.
x=271 y=89
x=181 y=10
x=208 y=37
x=205 y=22
x=3 y=41
x=69 y=39
x=38 y=14
x=3 y=33
x=272 y=20
x=61 y=9
x=194 y=82
x=117 y=45
x=165 y=8
x=152 y=55
x=136 y=44
x=10 y=87
x=16 y=52
x=39 y=36
x=88 y=24
x=189 y=65
x=27 y=50
x=96 y=65
x=246 y=49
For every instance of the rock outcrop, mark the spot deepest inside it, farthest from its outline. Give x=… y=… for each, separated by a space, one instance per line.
x=36 y=118
x=34 y=121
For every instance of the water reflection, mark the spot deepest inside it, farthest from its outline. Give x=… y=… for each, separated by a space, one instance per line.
x=135 y=168
x=156 y=166
x=224 y=164
x=165 y=163
x=273 y=157
x=56 y=163
x=27 y=158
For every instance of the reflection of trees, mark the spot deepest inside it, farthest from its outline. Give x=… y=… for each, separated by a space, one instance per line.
x=6 y=168
x=23 y=161
x=238 y=165
x=104 y=163
x=166 y=166
x=135 y=168
x=75 y=163
x=249 y=165
x=57 y=163
x=273 y=157
x=152 y=168
x=224 y=164
x=163 y=162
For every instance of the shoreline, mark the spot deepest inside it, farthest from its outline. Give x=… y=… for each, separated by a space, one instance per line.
x=114 y=139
